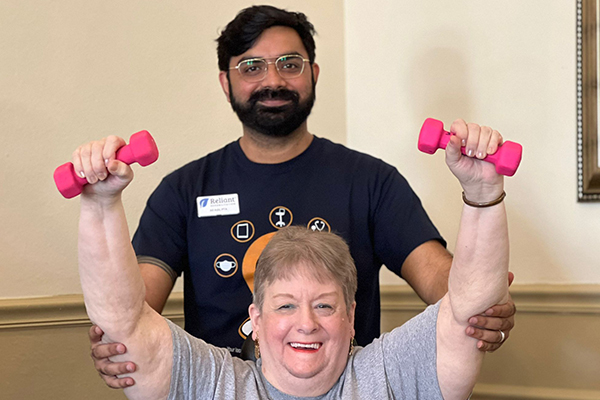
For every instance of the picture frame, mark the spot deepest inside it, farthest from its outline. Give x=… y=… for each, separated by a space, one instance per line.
x=588 y=42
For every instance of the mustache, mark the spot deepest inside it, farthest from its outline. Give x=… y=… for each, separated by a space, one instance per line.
x=270 y=94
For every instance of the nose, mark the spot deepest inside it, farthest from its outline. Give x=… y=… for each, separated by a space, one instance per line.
x=273 y=79
x=308 y=322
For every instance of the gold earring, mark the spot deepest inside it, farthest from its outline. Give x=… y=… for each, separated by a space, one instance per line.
x=256 y=349
x=351 y=346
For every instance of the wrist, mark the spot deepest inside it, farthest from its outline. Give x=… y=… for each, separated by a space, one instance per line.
x=483 y=193
x=100 y=202
x=480 y=204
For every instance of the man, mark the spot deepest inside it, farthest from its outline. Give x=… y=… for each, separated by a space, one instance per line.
x=211 y=219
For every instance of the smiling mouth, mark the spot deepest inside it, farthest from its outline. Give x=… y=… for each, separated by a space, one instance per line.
x=306 y=346
x=273 y=102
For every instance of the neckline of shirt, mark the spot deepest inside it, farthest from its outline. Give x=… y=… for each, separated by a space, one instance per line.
x=299 y=161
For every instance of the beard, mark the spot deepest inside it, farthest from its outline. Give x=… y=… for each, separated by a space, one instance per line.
x=273 y=121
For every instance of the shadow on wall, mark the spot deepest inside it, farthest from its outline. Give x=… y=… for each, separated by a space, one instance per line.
x=439 y=88
x=528 y=241
x=38 y=240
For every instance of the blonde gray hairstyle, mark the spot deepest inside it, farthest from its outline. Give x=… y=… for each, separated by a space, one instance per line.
x=296 y=250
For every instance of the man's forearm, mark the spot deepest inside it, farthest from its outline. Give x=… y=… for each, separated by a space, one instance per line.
x=426 y=269
x=112 y=285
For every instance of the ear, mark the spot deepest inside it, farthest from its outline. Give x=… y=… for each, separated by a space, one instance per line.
x=254 y=313
x=351 y=314
x=224 y=81
x=316 y=69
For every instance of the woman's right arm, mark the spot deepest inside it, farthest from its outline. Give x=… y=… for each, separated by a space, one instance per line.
x=110 y=277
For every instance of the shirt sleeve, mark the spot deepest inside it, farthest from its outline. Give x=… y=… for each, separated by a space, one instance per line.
x=196 y=365
x=410 y=357
x=401 y=223
x=160 y=238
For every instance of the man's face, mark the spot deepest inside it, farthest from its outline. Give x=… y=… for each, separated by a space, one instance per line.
x=273 y=106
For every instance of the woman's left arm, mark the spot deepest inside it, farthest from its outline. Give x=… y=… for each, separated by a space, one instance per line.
x=479 y=275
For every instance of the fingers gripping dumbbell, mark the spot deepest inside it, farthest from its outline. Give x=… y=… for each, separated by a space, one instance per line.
x=506 y=159
x=141 y=149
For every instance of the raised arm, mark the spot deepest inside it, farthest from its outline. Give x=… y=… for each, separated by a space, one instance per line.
x=426 y=269
x=479 y=275
x=110 y=277
x=158 y=288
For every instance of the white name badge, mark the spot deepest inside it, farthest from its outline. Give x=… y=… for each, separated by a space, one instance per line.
x=213 y=206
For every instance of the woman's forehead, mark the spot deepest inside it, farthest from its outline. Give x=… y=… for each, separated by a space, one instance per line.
x=303 y=284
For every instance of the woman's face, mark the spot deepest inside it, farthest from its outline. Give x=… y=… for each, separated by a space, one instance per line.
x=304 y=332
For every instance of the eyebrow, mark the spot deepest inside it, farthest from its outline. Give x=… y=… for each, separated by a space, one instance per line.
x=288 y=295
x=291 y=53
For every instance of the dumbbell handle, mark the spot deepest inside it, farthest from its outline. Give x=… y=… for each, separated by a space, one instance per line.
x=506 y=159
x=141 y=149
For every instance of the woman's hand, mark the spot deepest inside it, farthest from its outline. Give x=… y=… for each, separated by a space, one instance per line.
x=96 y=162
x=479 y=179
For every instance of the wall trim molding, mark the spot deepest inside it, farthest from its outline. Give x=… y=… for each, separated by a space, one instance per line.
x=484 y=391
x=544 y=299
x=65 y=310
x=69 y=310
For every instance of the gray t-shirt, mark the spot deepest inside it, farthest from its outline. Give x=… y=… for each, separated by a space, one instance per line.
x=400 y=364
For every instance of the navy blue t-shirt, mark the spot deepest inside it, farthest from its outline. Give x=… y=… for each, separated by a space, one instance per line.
x=210 y=219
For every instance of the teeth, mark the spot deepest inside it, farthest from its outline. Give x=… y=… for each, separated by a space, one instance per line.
x=305 y=346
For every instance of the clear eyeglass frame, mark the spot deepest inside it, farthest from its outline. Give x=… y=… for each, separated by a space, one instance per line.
x=255 y=69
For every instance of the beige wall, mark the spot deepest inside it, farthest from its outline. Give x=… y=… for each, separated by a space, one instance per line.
x=508 y=64
x=73 y=71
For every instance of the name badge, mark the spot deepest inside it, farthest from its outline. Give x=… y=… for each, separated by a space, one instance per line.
x=213 y=206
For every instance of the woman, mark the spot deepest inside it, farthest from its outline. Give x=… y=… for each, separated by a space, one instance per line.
x=303 y=309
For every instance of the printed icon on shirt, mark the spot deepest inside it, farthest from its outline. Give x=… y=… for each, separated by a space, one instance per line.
x=242 y=231
x=251 y=258
x=281 y=217
x=245 y=328
x=226 y=265
x=319 y=225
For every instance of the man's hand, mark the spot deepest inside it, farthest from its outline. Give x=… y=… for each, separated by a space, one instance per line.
x=487 y=326
x=107 y=369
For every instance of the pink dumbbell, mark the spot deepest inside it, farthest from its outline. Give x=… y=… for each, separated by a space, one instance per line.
x=506 y=158
x=141 y=149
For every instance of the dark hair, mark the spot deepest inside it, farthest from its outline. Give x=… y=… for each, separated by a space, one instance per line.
x=240 y=34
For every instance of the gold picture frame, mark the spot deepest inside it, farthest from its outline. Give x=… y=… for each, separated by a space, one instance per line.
x=588 y=167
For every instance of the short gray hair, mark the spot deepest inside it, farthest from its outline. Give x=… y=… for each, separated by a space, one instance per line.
x=325 y=256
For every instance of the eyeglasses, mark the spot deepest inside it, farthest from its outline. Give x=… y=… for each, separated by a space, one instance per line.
x=256 y=69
